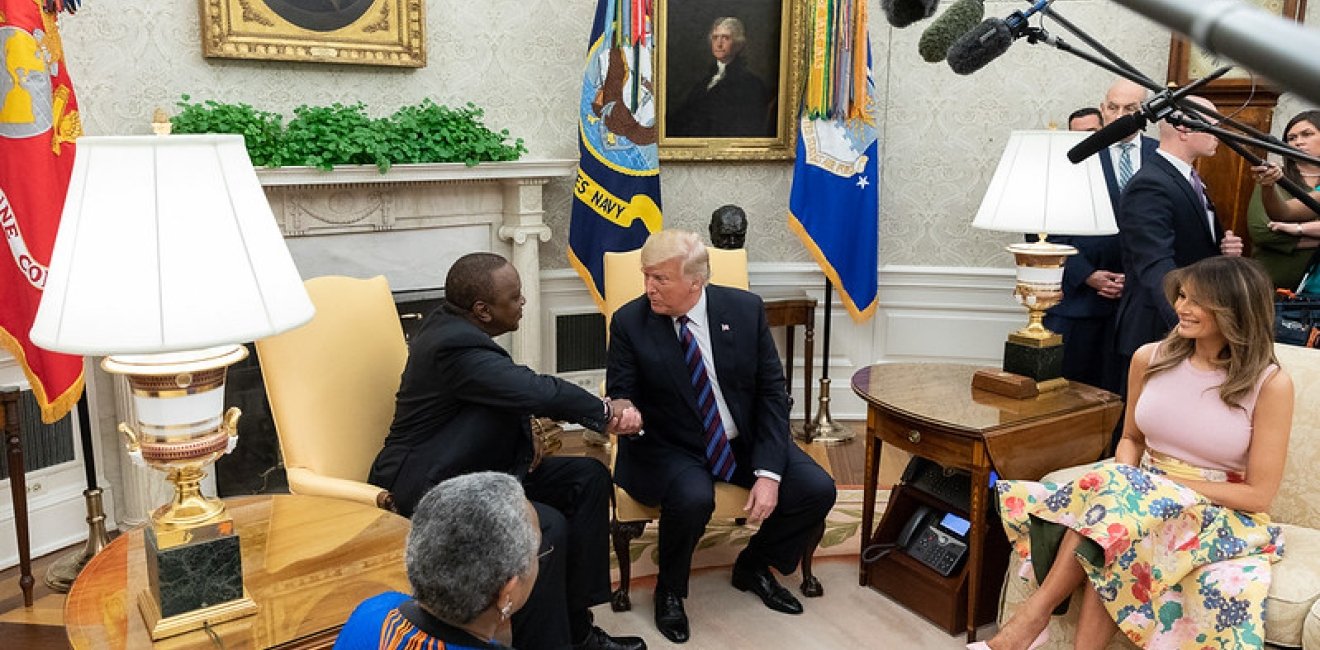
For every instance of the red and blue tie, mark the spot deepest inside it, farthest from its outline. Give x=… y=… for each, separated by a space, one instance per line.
x=719 y=457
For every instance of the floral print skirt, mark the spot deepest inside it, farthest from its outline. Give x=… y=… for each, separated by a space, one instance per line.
x=1173 y=569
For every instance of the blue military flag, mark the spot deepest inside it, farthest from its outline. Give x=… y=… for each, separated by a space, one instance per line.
x=616 y=198
x=834 y=201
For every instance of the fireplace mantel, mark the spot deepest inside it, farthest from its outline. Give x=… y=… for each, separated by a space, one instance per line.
x=411 y=222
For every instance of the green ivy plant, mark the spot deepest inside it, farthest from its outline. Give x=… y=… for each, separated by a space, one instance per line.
x=324 y=136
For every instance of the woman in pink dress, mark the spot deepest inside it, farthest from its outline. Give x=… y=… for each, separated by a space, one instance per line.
x=1171 y=535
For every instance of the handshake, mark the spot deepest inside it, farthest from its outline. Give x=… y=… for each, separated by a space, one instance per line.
x=624 y=418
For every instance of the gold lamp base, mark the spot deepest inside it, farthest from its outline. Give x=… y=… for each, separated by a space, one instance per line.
x=162 y=627
x=1034 y=351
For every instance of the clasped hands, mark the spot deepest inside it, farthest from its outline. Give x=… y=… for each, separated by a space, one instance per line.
x=625 y=419
x=1106 y=283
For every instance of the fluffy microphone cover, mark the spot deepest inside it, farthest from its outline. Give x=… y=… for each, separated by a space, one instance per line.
x=902 y=13
x=957 y=20
x=980 y=46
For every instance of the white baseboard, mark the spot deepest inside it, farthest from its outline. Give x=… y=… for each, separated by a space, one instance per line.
x=926 y=314
x=57 y=518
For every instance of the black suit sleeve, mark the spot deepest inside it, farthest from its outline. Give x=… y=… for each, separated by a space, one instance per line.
x=621 y=363
x=492 y=379
x=1146 y=230
x=770 y=416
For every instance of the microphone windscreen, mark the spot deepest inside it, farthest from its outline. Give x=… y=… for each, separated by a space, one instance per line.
x=973 y=50
x=1113 y=132
x=957 y=20
x=902 y=13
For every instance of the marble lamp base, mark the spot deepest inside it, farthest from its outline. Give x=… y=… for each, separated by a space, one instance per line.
x=194 y=577
x=1039 y=362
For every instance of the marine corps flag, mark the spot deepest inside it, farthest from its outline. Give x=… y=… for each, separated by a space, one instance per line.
x=38 y=124
x=616 y=198
x=834 y=202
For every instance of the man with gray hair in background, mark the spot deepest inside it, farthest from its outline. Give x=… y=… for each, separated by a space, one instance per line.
x=729 y=100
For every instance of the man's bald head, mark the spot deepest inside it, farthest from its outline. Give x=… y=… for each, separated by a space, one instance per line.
x=1186 y=144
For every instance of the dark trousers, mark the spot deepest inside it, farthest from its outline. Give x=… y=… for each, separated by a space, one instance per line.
x=1087 y=347
x=572 y=499
x=806 y=494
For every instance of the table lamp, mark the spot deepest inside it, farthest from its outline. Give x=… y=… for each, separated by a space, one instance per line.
x=167 y=258
x=1036 y=190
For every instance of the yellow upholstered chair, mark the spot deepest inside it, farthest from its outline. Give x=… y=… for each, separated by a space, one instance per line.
x=331 y=386
x=623 y=282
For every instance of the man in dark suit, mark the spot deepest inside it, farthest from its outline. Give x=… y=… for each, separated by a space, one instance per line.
x=464 y=406
x=1165 y=221
x=1093 y=278
x=729 y=100
x=699 y=363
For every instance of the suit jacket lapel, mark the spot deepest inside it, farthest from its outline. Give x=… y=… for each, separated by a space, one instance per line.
x=1189 y=192
x=721 y=339
x=665 y=339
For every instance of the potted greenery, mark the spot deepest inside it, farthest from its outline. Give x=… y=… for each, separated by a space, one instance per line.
x=325 y=136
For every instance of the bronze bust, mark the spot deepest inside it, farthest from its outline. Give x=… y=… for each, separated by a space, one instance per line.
x=728 y=227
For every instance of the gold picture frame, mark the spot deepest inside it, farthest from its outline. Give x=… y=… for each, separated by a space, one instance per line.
x=364 y=32
x=774 y=48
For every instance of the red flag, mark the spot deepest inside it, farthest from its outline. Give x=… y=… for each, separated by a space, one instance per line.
x=38 y=124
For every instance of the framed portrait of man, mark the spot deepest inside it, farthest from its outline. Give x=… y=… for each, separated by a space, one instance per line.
x=366 y=32
x=728 y=78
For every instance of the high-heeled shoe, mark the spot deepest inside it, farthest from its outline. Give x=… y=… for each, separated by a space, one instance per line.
x=1040 y=640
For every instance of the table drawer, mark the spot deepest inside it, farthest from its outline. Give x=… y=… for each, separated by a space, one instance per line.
x=943 y=447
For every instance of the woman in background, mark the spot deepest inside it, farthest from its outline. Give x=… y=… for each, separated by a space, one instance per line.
x=471 y=561
x=1278 y=225
x=1171 y=535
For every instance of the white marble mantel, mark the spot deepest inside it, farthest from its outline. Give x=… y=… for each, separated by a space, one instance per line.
x=413 y=221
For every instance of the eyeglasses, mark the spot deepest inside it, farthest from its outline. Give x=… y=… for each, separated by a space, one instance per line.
x=542 y=555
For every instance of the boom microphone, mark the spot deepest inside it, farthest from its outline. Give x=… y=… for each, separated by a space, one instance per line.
x=1115 y=131
x=989 y=40
x=957 y=20
x=902 y=13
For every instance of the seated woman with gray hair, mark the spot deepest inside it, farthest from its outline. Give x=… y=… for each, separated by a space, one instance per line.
x=471 y=559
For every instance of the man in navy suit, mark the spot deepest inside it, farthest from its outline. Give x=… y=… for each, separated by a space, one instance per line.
x=1093 y=278
x=700 y=365
x=1165 y=221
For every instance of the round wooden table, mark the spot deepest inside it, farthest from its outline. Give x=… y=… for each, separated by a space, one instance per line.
x=307 y=562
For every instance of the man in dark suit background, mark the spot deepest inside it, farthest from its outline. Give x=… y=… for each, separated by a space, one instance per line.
x=699 y=363
x=1093 y=278
x=1165 y=221
x=729 y=100
x=464 y=406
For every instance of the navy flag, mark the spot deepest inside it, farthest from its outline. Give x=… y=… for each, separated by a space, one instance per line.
x=616 y=197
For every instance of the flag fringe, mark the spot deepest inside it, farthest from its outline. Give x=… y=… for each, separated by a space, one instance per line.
x=52 y=411
x=859 y=315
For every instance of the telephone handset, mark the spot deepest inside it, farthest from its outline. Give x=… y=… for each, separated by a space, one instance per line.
x=918 y=520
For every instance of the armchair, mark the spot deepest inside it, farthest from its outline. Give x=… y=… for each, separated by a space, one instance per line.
x=1292 y=613
x=331 y=386
x=628 y=517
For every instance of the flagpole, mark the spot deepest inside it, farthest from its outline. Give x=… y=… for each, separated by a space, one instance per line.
x=60 y=575
x=824 y=429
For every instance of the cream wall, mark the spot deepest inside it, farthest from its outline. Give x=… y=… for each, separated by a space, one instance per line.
x=522 y=61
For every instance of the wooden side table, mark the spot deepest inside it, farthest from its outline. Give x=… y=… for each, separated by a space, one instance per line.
x=931 y=410
x=307 y=562
x=789 y=311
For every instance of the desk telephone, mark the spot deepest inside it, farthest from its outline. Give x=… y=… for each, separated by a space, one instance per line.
x=936 y=539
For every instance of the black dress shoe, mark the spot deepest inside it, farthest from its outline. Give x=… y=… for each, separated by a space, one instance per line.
x=760 y=582
x=670 y=618
x=597 y=639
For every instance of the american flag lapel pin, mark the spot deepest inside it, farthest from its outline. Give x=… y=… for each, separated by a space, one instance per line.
x=724 y=327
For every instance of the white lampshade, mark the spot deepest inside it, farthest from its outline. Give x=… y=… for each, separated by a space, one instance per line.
x=1036 y=189
x=167 y=243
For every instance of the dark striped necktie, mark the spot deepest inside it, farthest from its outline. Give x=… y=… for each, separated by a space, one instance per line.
x=719 y=456
x=1125 y=164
